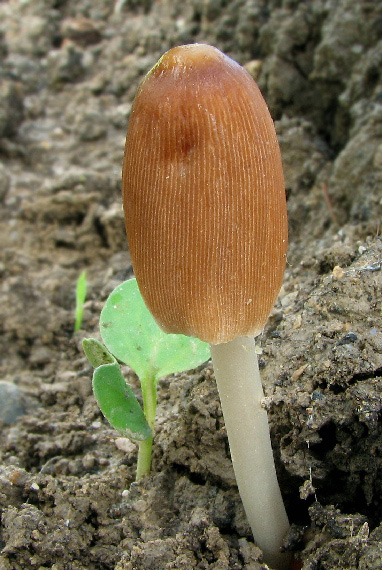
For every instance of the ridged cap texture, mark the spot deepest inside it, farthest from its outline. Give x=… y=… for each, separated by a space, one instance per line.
x=204 y=197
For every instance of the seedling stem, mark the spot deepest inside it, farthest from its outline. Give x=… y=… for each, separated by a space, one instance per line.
x=148 y=387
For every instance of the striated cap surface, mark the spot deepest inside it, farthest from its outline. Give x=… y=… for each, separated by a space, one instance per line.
x=204 y=196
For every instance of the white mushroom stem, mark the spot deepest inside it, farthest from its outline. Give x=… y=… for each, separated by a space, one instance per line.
x=240 y=389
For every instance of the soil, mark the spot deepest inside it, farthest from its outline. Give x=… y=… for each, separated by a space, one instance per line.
x=68 y=500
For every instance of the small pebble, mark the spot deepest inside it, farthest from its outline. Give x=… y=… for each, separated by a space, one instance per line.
x=349 y=338
x=124 y=444
x=11 y=402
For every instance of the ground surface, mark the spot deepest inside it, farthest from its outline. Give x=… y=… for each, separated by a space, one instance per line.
x=68 y=72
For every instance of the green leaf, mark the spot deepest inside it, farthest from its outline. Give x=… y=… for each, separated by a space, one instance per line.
x=81 y=289
x=130 y=332
x=118 y=402
x=96 y=352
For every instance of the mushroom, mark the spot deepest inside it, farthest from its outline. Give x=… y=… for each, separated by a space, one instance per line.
x=206 y=222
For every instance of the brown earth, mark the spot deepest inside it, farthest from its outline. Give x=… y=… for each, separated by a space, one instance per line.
x=68 y=73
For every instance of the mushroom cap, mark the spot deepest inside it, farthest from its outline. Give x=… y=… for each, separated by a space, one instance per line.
x=204 y=197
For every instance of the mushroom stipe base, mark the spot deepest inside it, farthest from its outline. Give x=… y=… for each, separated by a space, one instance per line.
x=240 y=389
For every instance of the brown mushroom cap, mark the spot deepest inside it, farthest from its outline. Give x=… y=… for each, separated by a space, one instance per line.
x=204 y=197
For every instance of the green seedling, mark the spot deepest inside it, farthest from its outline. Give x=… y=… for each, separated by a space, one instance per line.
x=81 y=289
x=131 y=335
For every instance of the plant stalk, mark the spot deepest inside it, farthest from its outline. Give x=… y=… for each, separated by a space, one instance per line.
x=240 y=389
x=149 y=396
